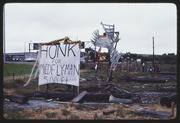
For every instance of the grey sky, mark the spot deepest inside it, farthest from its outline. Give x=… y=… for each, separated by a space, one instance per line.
x=137 y=24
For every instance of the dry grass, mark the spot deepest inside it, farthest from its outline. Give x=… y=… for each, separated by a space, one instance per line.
x=14 y=85
x=74 y=113
x=71 y=111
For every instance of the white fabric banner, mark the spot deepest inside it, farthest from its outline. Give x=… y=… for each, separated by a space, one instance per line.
x=59 y=64
x=114 y=57
x=104 y=42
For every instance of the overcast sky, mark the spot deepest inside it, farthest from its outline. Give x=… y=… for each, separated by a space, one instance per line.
x=137 y=24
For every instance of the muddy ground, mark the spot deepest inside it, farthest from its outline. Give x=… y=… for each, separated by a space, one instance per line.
x=148 y=93
x=146 y=90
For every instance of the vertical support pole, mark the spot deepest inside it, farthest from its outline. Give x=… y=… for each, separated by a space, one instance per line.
x=77 y=90
x=29 y=47
x=95 y=54
x=153 y=56
x=172 y=108
x=4 y=46
x=38 y=57
x=109 y=73
x=47 y=87
x=113 y=30
x=24 y=51
x=38 y=87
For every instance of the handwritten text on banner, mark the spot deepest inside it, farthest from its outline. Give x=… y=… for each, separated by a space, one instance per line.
x=59 y=64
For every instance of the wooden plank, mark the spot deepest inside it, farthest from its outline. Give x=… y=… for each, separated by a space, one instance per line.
x=62 y=102
x=77 y=90
x=113 y=99
x=17 y=98
x=96 y=97
x=151 y=113
x=97 y=104
x=110 y=111
x=95 y=88
x=165 y=73
x=68 y=96
x=79 y=97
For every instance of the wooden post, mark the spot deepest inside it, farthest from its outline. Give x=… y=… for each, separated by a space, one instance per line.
x=4 y=46
x=29 y=48
x=77 y=90
x=172 y=108
x=17 y=98
x=109 y=74
x=153 y=56
x=109 y=77
x=38 y=87
x=47 y=87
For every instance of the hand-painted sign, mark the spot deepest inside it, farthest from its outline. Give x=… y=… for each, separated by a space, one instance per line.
x=59 y=64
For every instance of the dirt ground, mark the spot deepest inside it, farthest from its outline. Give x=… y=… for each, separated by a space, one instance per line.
x=76 y=111
x=149 y=92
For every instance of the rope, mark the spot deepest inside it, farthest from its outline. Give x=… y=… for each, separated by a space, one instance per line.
x=36 y=73
x=66 y=39
x=51 y=42
x=32 y=70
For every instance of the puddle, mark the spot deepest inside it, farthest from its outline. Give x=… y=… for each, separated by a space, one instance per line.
x=31 y=104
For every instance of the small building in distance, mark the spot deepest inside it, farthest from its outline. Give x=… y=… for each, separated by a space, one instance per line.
x=21 y=56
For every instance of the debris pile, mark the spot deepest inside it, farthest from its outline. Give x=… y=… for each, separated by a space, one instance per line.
x=106 y=93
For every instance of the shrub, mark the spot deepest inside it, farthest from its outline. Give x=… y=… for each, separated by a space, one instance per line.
x=79 y=107
x=65 y=112
x=74 y=117
x=50 y=114
x=122 y=113
x=97 y=117
x=14 y=114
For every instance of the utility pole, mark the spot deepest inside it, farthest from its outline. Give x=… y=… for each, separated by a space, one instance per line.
x=4 y=46
x=30 y=46
x=153 y=56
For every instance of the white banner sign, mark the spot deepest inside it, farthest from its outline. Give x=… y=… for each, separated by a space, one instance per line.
x=59 y=64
